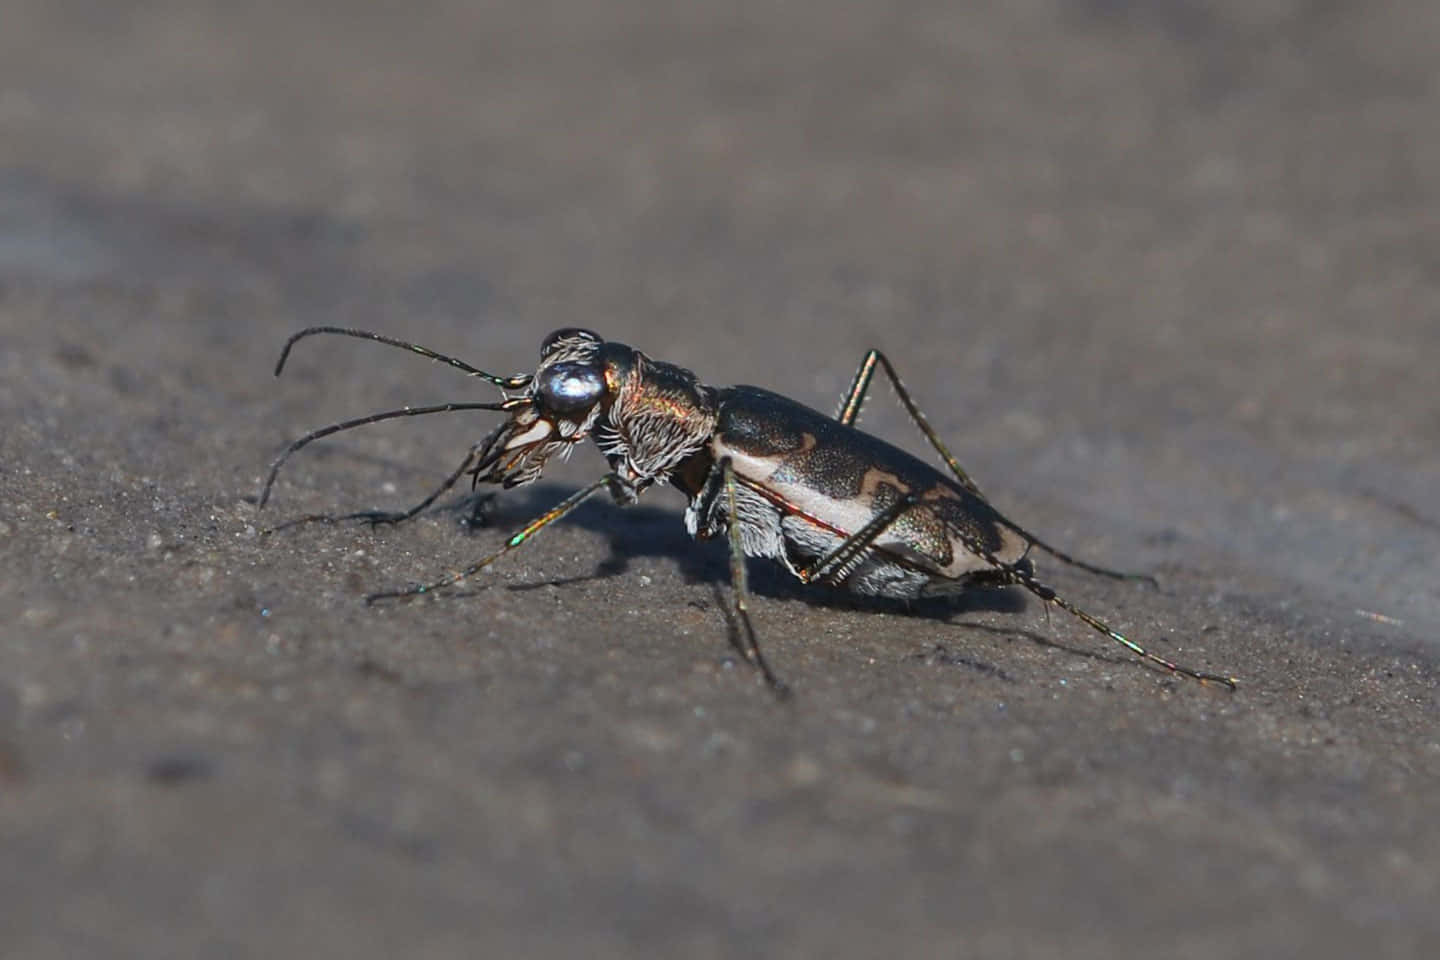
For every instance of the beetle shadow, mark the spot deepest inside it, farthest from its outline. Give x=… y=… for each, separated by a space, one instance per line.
x=1099 y=655
x=646 y=531
x=642 y=530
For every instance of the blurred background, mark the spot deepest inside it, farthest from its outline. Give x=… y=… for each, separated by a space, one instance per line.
x=1163 y=274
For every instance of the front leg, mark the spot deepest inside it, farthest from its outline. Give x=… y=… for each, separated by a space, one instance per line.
x=519 y=537
x=377 y=517
x=626 y=484
x=625 y=493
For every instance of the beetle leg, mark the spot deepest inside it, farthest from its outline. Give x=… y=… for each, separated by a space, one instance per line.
x=849 y=412
x=701 y=512
x=740 y=583
x=376 y=517
x=1024 y=579
x=843 y=559
x=314 y=435
x=854 y=399
x=1064 y=557
x=516 y=539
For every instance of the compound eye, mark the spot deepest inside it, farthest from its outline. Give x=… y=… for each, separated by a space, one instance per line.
x=570 y=388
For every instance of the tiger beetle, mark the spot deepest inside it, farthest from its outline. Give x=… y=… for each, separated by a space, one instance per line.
x=831 y=504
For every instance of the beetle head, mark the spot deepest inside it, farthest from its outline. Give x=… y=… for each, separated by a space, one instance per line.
x=558 y=409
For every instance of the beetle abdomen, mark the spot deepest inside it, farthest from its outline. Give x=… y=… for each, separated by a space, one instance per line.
x=829 y=480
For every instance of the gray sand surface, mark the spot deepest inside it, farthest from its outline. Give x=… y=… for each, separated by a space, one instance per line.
x=1165 y=275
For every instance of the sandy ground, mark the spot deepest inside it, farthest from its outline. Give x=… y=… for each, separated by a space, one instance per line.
x=1165 y=275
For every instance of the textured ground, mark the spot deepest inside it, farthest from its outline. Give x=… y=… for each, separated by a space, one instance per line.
x=1165 y=274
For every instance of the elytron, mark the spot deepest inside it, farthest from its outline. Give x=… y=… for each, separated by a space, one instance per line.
x=828 y=502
